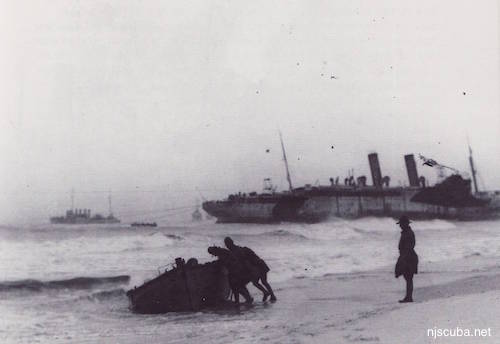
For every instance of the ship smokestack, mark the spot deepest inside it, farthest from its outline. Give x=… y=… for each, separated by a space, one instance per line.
x=375 y=169
x=411 y=168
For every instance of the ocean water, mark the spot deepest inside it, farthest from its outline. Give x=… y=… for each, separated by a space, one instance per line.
x=61 y=284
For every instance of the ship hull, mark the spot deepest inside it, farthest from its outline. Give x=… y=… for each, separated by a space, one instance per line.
x=266 y=210
x=64 y=221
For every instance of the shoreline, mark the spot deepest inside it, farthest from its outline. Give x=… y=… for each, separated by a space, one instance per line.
x=363 y=306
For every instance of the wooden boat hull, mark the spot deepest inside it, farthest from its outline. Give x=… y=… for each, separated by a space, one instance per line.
x=185 y=288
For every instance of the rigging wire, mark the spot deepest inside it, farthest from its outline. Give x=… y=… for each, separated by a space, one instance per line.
x=158 y=210
x=167 y=212
x=118 y=191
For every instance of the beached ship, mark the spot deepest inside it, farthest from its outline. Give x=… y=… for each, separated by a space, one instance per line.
x=452 y=198
x=189 y=286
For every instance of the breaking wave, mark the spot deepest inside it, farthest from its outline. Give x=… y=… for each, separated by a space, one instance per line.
x=173 y=236
x=285 y=233
x=72 y=283
x=107 y=294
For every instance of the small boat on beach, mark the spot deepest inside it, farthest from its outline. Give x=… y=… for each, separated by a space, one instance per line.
x=189 y=286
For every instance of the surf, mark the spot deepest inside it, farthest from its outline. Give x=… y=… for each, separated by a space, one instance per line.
x=71 y=283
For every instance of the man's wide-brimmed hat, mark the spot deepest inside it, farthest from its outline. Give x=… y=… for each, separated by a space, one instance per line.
x=403 y=219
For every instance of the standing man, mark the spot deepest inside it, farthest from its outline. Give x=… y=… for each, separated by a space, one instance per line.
x=407 y=264
x=255 y=264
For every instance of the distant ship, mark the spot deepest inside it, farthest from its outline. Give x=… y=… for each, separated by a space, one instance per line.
x=143 y=224
x=83 y=216
x=452 y=198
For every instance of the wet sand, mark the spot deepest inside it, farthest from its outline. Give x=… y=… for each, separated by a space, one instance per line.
x=362 y=307
x=463 y=293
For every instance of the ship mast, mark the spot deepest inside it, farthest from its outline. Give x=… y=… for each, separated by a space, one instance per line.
x=72 y=198
x=473 y=170
x=286 y=164
x=109 y=201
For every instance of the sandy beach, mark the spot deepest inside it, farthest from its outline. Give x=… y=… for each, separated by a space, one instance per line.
x=362 y=307
x=457 y=294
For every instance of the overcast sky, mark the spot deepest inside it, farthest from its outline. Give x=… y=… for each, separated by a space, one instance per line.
x=153 y=99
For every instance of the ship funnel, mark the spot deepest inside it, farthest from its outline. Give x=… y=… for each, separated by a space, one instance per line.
x=411 y=168
x=375 y=169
